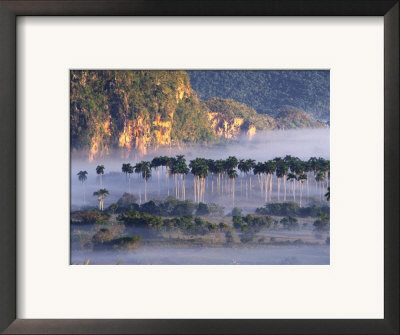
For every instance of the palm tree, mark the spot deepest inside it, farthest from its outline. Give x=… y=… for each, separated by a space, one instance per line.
x=155 y=164
x=100 y=172
x=199 y=170
x=270 y=168
x=144 y=168
x=232 y=176
x=101 y=194
x=241 y=167
x=82 y=176
x=301 y=179
x=212 y=167
x=250 y=164
x=219 y=168
x=127 y=168
x=319 y=178
x=292 y=177
x=182 y=171
x=258 y=170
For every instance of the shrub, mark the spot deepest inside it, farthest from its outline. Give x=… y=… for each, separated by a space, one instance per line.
x=113 y=208
x=102 y=236
x=150 y=208
x=183 y=208
x=126 y=200
x=202 y=209
x=292 y=209
x=125 y=242
x=237 y=221
x=89 y=217
x=322 y=223
x=289 y=222
x=236 y=211
x=215 y=210
x=135 y=218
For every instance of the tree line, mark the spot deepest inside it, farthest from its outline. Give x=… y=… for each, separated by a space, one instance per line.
x=220 y=176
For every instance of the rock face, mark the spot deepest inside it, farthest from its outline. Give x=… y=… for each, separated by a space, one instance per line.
x=138 y=110
x=229 y=118
x=134 y=110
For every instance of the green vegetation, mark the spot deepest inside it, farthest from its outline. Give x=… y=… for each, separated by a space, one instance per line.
x=230 y=109
x=292 y=209
x=169 y=207
x=289 y=223
x=108 y=107
x=322 y=223
x=89 y=217
x=135 y=110
x=101 y=195
x=289 y=117
x=267 y=91
x=105 y=238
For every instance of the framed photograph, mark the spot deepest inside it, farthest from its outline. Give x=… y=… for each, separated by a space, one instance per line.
x=167 y=167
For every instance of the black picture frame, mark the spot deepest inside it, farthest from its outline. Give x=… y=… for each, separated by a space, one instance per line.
x=9 y=10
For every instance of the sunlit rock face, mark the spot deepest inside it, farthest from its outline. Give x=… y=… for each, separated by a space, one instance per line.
x=131 y=112
x=134 y=111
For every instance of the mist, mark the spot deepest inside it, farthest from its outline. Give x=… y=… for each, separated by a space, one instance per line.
x=263 y=146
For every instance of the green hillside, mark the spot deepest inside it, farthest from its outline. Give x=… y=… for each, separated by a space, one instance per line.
x=267 y=91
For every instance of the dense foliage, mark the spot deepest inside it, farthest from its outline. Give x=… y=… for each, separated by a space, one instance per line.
x=169 y=207
x=267 y=91
x=106 y=104
x=292 y=209
x=135 y=110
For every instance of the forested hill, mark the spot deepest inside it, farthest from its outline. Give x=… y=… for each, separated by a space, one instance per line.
x=137 y=110
x=267 y=91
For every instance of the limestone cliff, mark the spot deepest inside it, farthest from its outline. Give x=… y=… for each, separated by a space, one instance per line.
x=134 y=111
x=230 y=119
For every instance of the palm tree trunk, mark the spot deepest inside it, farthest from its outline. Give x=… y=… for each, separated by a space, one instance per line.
x=84 y=194
x=194 y=188
x=284 y=186
x=145 y=190
x=301 y=192
x=270 y=187
x=233 y=191
x=279 y=189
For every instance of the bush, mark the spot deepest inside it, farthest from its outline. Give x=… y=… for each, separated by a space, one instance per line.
x=202 y=209
x=113 y=208
x=237 y=222
x=289 y=223
x=125 y=242
x=183 y=208
x=292 y=209
x=322 y=223
x=102 y=236
x=135 y=218
x=236 y=211
x=89 y=217
x=215 y=210
x=150 y=208
x=126 y=200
